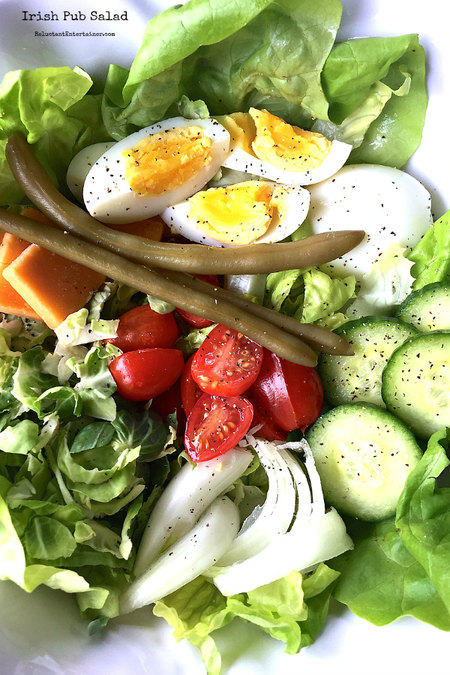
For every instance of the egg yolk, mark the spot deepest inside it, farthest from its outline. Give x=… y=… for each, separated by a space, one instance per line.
x=276 y=142
x=241 y=128
x=286 y=146
x=237 y=214
x=163 y=161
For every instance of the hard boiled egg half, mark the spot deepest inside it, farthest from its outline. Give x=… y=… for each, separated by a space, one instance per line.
x=389 y=204
x=253 y=211
x=81 y=164
x=267 y=146
x=163 y=164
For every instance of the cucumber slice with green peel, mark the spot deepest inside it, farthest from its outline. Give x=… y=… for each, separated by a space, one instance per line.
x=416 y=383
x=428 y=308
x=353 y=379
x=363 y=455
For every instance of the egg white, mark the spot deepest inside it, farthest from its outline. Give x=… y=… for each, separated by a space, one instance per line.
x=241 y=160
x=180 y=222
x=107 y=194
x=389 y=204
x=81 y=164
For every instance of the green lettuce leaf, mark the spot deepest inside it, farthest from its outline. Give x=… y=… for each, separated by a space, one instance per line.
x=423 y=515
x=431 y=256
x=233 y=56
x=308 y=295
x=52 y=108
x=350 y=74
x=275 y=62
x=146 y=93
x=323 y=296
x=292 y=610
x=353 y=128
x=77 y=330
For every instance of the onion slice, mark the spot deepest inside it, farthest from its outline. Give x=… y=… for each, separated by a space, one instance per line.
x=312 y=542
x=302 y=486
x=269 y=552
x=200 y=548
x=318 y=502
x=186 y=497
x=274 y=516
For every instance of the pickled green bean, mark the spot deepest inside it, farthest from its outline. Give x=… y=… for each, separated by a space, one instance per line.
x=193 y=258
x=160 y=285
x=318 y=338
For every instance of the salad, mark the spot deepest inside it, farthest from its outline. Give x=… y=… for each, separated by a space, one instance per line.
x=99 y=495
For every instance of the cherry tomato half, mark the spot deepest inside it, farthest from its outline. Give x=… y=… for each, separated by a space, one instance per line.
x=192 y=319
x=142 y=328
x=262 y=418
x=227 y=363
x=190 y=391
x=145 y=373
x=170 y=402
x=292 y=394
x=216 y=425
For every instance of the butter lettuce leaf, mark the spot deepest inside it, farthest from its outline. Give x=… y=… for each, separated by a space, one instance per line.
x=397 y=132
x=309 y=295
x=431 y=256
x=53 y=109
x=423 y=515
x=269 y=54
x=292 y=610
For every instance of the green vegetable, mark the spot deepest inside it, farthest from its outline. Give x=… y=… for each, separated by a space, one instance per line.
x=353 y=72
x=292 y=610
x=357 y=378
x=76 y=330
x=431 y=256
x=308 y=295
x=400 y=566
x=364 y=455
x=52 y=107
x=428 y=308
x=165 y=284
x=415 y=383
x=61 y=466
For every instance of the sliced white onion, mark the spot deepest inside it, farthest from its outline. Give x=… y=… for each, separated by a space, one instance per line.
x=304 y=504
x=318 y=502
x=274 y=516
x=313 y=536
x=314 y=541
x=183 y=501
x=200 y=548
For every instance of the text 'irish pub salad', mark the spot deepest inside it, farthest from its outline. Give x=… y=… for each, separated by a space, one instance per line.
x=224 y=336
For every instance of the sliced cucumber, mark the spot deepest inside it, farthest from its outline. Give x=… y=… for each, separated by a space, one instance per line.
x=428 y=308
x=416 y=383
x=352 y=379
x=363 y=455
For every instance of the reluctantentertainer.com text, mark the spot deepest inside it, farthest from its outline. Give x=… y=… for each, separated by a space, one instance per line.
x=70 y=33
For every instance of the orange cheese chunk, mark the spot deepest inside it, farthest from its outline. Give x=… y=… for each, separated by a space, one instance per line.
x=35 y=214
x=11 y=302
x=151 y=228
x=52 y=285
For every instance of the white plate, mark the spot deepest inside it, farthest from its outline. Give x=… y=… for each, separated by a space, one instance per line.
x=42 y=634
